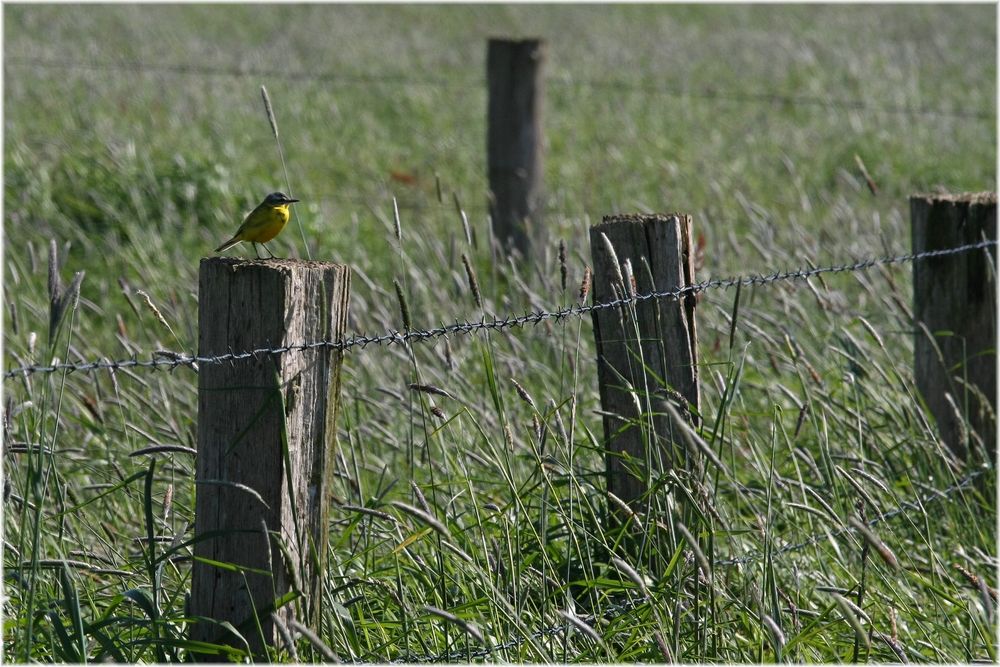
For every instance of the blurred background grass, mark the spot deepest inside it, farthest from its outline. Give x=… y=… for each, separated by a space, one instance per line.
x=117 y=124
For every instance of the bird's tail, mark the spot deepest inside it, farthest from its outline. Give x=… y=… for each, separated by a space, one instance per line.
x=229 y=244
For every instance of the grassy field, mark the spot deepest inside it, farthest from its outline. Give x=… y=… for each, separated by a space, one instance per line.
x=135 y=140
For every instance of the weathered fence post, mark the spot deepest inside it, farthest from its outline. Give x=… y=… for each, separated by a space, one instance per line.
x=955 y=298
x=646 y=352
x=514 y=140
x=267 y=428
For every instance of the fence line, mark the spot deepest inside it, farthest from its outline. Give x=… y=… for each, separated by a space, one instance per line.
x=619 y=609
x=620 y=85
x=172 y=360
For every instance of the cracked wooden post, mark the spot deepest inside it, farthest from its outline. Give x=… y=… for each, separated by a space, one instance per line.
x=514 y=140
x=955 y=317
x=267 y=436
x=646 y=352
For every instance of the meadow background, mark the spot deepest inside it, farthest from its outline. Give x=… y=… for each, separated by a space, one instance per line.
x=135 y=138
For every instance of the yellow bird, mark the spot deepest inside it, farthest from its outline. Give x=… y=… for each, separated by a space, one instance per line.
x=263 y=223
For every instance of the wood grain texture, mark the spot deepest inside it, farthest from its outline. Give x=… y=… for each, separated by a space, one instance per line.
x=247 y=478
x=514 y=140
x=646 y=352
x=954 y=299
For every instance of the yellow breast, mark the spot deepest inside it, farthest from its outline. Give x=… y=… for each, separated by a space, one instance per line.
x=265 y=223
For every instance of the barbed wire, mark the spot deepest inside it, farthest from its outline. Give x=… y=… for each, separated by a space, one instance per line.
x=172 y=360
x=616 y=610
x=398 y=79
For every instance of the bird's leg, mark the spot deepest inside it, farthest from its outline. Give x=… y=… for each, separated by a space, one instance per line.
x=255 y=251
x=272 y=255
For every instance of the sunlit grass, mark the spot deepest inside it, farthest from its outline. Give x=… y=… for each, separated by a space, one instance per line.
x=810 y=405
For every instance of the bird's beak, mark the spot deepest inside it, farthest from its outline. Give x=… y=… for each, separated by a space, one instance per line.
x=289 y=200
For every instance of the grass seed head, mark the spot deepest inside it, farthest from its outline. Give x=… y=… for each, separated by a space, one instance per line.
x=473 y=281
x=580 y=625
x=563 y=270
x=55 y=284
x=847 y=611
x=585 y=285
x=270 y=111
x=156 y=311
x=616 y=267
x=777 y=636
x=404 y=308
x=168 y=500
x=398 y=228
x=631 y=573
x=470 y=628
x=629 y=279
x=699 y=555
x=422 y=516
x=420 y=497
x=429 y=389
x=523 y=394
x=59 y=305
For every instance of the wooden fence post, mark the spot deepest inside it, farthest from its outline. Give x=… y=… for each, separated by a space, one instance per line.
x=641 y=343
x=514 y=140
x=267 y=432
x=955 y=314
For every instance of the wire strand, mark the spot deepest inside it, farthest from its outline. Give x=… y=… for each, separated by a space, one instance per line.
x=621 y=85
x=172 y=360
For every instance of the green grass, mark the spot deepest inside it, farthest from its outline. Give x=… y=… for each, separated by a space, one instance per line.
x=136 y=174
